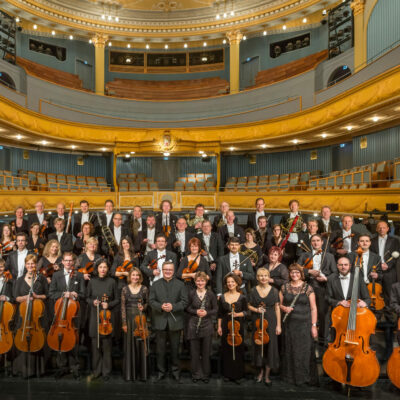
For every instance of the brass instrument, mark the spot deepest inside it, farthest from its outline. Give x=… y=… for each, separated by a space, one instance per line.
x=221 y=222
x=192 y=222
x=106 y=231
x=249 y=253
x=298 y=226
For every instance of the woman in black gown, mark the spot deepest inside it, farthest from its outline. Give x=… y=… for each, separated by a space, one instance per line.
x=80 y=242
x=51 y=256
x=20 y=224
x=299 y=330
x=202 y=309
x=35 y=242
x=232 y=369
x=7 y=241
x=276 y=240
x=30 y=364
x=279 y=274
x=265 y=298
x=134 y=300
x=250 y=246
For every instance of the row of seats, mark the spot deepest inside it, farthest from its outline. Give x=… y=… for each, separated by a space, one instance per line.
x=276 y=74
x=138 y=186
x=133 y=177
x=50 y=74
x=196 y=182
x=167 y=90
x=196 y=178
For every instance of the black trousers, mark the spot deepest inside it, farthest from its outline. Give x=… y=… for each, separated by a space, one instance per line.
x=161 y=345
x=323 y=313
x=200 y=350
x=68 y=360
x=101 y=357
x=388 y=278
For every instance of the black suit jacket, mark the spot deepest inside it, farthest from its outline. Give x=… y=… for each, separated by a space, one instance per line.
x=152 y=255
x=159 y=223
x=339 y=234
x=391 y=245
x=65 y=242
x=172 y=239
x=77 y=226
x=334 y=292
x=328 y=267
x=104 y=245
x=373 y=259
x=238 y=232
x=33 y=218
x=58 y=285
x=53 y=218
x=224 y=267
x=216 y=245
x=252 y=223
x=12 y=263
x=305 y=237
x=103 y=219
x=332 y=227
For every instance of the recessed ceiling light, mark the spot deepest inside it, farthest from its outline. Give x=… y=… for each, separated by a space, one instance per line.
x=217 y=16
x=349 y=127
x=90 y=41
x=103 y=17
x=49 y=212
x=73 y=147
x=70 y=37
x=304 y=20
x=315 y=214
x=147 y=46
x=44 y=142
x=224 y=41
x=295 y=141
x=204 y=155
x=103 y=149
x=265 y=33
x=35 y=26
x=201 y=152
x=204 y=44
x=225 y=15
x=109 y=44
x=375 y=119
x=232 y=13
x=284 y=27
x=166 y=154
x=133 y=152
x=231 y=148
x=109 y=17
x=116 y=19
x=324 y=12
x=53 y=32
x=185 y=45
x=128 y=45
x=166 y=46
x=244 y=37
x=17 y=19
x=324 y=135
x=127 y=155
x=264 y=146
x=19 y=137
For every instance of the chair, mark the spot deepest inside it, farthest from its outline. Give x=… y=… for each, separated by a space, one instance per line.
x=71 y=179
x=153 y=186
x=123 y=186
x=179 y=186
x=143 y=186
x=81 y=180
x=189 y=187
x=51 y=178
x=182 y=179
x=200 y=187
x=133 y=186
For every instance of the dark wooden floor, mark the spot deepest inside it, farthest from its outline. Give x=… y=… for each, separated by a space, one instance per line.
x=116 y=388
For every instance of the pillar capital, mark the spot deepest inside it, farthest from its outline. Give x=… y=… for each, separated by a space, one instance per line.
x=234 y=37
x=99 y=40
x=357 y=6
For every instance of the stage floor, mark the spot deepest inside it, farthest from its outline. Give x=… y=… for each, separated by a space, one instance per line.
x=117 y=389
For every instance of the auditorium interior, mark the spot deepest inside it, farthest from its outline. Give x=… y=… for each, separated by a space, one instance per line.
x=202 y=102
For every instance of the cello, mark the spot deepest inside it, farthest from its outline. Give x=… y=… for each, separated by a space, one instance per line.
x=261 y=336
x=63 y=335
x=6 y=315
x=349 y=359
x=30 y=336
x=375 y=292
x=393 y=365
x=234 y=337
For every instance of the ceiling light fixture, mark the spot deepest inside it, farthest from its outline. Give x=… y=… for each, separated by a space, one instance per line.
x=295 y=141
x=109 y=44
x=166 y=154
x=264 y=146
x=103 y=17
x=70 y=37
x=349 y=127
x=109 y=17
x=166 y=47
x=128 y=45
x=116 y=19
x=231 y=148
x=127 y=155
x=201 y=152
x=73 y=147
x=44 y=142
x=185 y=45
x=133 y=152
x=90 y=41
x=232 y=13
x=324 y=135
x=204 y=155
x=17 y=19
x=265 y=33
x=35 y=26
x=244 y=37
x=147 y=46
x=19 y=137
x=217 y=16
x=224 y=41
x=304 y=20
x=205 y=44
x=375 y=119
x=53 y=32
x=103 y=149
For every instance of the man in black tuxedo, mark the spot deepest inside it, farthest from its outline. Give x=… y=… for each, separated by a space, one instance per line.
x=108 y=215
x=231 y=229
x=83 y=216
x=65 y=239
x=160 y=254
x=233 y=262
x=252 y=219
x=136 y=223
x=118 y=232
x=60 y=213
x=369 y=259
x=63 y=284
x=350 y=237
x=179 y=239
x=168 y=300
x=166 y=220
x=262 y=233
x=340 y=286
x=384 y=245
x=327 y=224
x=323 y=266
x=40 y=218
x=16 y=259
x=220 y=219
x=305 y=237
x=146 y=238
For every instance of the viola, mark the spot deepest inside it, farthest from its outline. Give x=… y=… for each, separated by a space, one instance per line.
x=393 y=365
x=63 y=335
x=349 y=358
x=166 y=230
x=48 y=271
x=191 y=268
x=6 y=315
x=105 y=325
x=125 y=267
x=261 y=336
x=30 y=337
x=308 y=263
x=154 y=263
x=234 y=337
x=375 y=292
x=87 y=269
x=338 y=242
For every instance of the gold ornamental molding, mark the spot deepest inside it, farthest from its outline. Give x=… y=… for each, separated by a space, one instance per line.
x=99 y=40
x=234 y=37
x=160 y=28
x=358 y=6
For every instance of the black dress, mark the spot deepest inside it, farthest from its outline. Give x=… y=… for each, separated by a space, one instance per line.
x=203 y=266
x=135 y=362
x=280 y=275
x=36 y=247
x=270 y=352
x=232 y=369
x=298 y=349
x=245 y=250
x=30 y=364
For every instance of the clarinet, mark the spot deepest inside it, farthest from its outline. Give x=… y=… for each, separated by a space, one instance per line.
x=292 y=304
x=202 y=307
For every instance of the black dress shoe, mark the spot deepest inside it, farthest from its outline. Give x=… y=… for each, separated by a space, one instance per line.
x=177 y=377
x=59 y=374
x=269 y=384
x=106 y=378
x=159 y=377
x=205 y=380
x=194 y=380
x=76 y=375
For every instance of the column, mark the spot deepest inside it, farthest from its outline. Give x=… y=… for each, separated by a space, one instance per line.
x=360 y=56
x=234 y=38
x=99 y=42
x=114 y=172
x=218 y=155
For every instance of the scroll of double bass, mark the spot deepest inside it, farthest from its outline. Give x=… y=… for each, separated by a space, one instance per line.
x=6 y=316
x=349 y=359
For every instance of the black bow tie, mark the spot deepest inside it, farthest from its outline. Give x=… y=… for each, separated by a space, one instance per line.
x=344 y=277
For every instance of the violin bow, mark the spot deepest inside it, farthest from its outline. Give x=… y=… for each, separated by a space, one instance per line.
x=98 y=321
x=233 y=331
x=326 y=248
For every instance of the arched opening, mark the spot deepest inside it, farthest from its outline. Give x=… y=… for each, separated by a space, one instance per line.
x=6 y=80
x=339 y=74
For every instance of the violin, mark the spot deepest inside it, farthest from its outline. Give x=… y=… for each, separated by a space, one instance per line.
x=125 y=267
x=339 y=241
x=261 y=336
x=154 y=263
x=63 y=335
x=7 y=247
x=87 y=269
x=375 y=292
x=393 y=365
x=166 y=230
x=141 y=329
x=349 y=358
x=191 y=268
x=48 y=271
x=30 y=337
x=6 y=315
x=308 y=263
x=105 y=326
x=42 y=230
x=234 y=337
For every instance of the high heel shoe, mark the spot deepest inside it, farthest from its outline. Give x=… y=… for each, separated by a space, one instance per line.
x=259 y=377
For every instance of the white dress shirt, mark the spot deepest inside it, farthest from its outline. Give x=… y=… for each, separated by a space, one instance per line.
x=234 y=261
x=347 y=241
x=108 y=218
x=151 y=233
x=85 y=218
x=61 y=216
x=382 y=244
x=345 y=283
x=59 y=236
x=40 y=218
x=160 y=263
x=2 y=283
x=326 y=224
x=21 y=261
x=166 y=219
x=180 y=236
x=207 y=240
x=365 y=258
x=117 y=234
x=66 y=276
x=317 y=259
x=259 y=214
x=293 y=237
x=231 y=230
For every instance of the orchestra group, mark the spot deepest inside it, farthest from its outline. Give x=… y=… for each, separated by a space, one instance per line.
x=158 y=283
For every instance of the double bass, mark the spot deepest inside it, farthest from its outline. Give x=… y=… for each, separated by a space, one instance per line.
x=393 y=365
x=349 y=359
x=30 y=336
x=6 y=316
x=63 y=335
x=375 y=292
